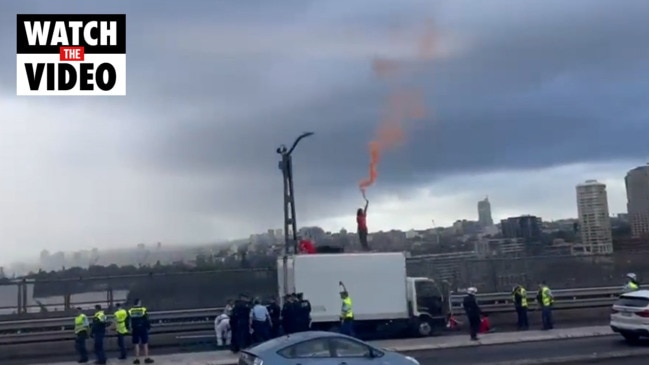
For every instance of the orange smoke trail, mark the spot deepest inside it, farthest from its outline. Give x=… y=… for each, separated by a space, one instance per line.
x=401 y=105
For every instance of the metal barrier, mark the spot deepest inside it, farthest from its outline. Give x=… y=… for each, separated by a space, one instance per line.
x=563 y=299
x=60 y=329
x=57 y=329
x=189 y=315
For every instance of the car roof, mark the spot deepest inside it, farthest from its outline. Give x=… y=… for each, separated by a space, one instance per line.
x=643 y=293
x=288 y=340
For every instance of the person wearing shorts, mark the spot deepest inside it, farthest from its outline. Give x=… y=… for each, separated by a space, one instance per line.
x=140 y=326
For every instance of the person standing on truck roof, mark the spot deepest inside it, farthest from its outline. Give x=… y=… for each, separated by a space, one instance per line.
x=520 y=304
x=473 y=312
x=346 y=312
x=361 y=222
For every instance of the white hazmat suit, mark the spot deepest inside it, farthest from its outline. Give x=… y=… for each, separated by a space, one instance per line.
x=222 y=329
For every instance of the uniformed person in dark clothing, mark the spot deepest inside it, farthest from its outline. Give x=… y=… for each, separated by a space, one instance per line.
x=288 y=315
x=473 y=312
x=240 y=324
x=304 y=313
x=275 y=311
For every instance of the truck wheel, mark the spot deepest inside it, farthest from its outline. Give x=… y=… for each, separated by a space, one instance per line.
x=424 y=327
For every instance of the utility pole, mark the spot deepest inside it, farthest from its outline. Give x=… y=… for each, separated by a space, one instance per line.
x=290 y=223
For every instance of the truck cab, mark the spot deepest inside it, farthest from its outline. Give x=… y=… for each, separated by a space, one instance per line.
x=427 y=305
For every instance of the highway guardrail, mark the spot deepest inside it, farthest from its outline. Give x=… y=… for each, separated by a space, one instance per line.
x=563 y=299
x=58 y=329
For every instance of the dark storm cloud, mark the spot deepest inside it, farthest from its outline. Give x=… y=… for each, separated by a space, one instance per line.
x=532 y=84
x=565 y=85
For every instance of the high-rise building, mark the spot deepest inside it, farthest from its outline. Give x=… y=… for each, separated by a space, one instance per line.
x=637 y=195
x=525 y=226
x=484 y=213
x=594 y=220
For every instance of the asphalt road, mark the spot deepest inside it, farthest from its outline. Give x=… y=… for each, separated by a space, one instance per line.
x=625 y=361
x=498 y=354
x=513 y=353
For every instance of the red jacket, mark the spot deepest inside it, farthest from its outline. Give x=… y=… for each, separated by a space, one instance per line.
x=361 y=222
x=306 y=246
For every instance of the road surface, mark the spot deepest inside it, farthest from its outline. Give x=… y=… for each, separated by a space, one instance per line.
x=491 y=354
x=513 y=353
x=625 y=361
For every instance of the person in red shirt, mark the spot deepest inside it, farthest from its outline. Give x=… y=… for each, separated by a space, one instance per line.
x=306 y=246
x=361 y=222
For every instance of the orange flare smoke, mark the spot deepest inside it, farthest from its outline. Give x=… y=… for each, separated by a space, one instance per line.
x=401 y=105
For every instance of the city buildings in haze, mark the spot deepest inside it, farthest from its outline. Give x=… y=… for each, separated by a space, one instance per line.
x=594 y=220
x=525 y=226
x=637 y=195
x=484 y=213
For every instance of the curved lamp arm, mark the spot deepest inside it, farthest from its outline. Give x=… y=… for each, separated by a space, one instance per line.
x=302 y=136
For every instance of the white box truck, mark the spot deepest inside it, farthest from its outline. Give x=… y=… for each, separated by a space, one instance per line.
x=384 y=299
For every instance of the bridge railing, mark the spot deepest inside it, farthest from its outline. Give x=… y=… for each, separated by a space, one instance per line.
x=563 y=299
x=57 y=329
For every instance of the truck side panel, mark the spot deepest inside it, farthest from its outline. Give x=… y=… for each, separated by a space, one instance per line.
x=290 y=284
x=376 y=283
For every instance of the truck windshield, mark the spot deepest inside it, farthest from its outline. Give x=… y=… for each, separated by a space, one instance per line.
x=429 y=297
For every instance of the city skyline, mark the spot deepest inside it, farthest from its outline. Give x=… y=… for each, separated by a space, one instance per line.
x=561 y=197
x=522 y=101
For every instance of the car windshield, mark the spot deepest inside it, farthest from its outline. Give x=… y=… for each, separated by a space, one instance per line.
x=631 y=301
x=272 y=344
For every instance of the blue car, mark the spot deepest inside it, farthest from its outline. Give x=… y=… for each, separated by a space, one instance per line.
x=320 y=348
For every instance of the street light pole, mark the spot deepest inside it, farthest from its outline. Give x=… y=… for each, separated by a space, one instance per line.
x=290 y=223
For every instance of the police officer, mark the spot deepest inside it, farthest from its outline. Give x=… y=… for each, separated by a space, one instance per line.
x=546 y=300
x=472 y=311
x=288 y=314
x=274 y=311
x=98 y=330
x=346 y=312
x=240 y=323
x=304 y=312
x=520 y=303
x=140 y=326
x=121 y=327
x=260 y=322
x=81 y=328
x=632 y=283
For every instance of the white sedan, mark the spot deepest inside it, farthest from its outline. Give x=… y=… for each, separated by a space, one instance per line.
x=630 y=315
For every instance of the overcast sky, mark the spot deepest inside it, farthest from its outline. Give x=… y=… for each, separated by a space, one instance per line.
x=525 y=99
